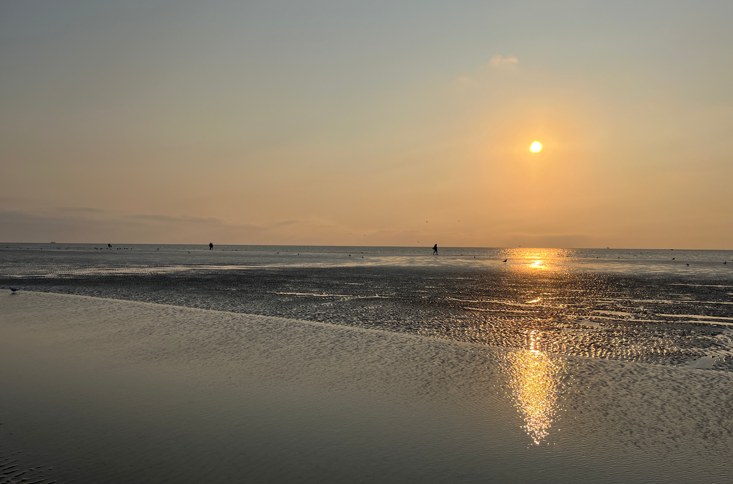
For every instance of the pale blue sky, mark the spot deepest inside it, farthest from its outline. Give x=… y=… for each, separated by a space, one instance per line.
x=327 y=122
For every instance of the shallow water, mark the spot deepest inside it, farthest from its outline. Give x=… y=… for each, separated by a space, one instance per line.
x=115 y=391
x=670 y=307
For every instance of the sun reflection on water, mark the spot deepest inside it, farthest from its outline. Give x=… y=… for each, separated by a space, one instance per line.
x=535 y=380
x=537 y=259
x=538 y=264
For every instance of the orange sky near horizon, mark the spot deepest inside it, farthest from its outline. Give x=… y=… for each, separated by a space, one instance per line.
x=332 y=124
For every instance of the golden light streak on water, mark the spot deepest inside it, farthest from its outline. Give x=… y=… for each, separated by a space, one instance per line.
x=537 y=259
x=538 y=264
x=535 y=381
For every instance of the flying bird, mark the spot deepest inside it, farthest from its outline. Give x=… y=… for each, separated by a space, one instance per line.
x=506 y=260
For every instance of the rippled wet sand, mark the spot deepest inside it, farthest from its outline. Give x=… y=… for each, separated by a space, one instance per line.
x=668 y=320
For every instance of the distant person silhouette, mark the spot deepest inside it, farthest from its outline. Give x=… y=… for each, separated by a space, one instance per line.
x=435 y=249
x=211 y=246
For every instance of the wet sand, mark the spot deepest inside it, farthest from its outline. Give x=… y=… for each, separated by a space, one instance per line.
x=100 y=390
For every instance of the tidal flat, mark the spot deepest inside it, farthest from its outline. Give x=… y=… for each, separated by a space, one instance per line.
x=296 y=372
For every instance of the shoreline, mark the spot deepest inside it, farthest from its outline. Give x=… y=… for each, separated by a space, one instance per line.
x=500 y=321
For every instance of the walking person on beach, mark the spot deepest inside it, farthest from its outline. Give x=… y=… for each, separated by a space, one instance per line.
x=435 y=249
x=211 y=246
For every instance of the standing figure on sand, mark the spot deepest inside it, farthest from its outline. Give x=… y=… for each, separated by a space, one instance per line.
x=211 y=246
x=435 y=249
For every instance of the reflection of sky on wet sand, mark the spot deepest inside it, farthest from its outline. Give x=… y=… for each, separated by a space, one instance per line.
x=535 y=380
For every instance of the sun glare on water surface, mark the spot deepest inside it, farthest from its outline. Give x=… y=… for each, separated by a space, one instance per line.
x=535 y=147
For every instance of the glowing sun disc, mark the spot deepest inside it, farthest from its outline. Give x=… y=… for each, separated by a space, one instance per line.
x=535 y=147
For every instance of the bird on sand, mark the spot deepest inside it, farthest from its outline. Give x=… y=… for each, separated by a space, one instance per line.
x=13 y=290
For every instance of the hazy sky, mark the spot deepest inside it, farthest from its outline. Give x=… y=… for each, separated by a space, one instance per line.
x=368 y=122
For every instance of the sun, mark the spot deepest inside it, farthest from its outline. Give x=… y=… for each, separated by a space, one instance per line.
x=535 y=147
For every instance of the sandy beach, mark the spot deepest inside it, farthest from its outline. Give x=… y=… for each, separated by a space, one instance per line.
x=99 y=390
